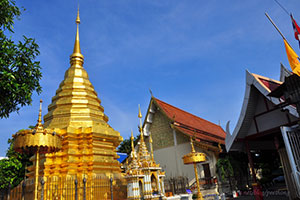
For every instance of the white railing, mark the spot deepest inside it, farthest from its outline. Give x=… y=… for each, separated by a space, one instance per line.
x=291 y=138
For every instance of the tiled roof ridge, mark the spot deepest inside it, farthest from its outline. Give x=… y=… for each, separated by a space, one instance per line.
x=187 y=113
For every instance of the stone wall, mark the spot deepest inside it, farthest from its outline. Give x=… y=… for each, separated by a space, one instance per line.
x=162 y=133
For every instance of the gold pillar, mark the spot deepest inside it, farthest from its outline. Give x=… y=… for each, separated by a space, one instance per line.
x=36 y=183
x=199 y=194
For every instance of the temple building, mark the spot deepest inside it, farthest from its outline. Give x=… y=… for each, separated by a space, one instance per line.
x=144 y=175
x=89 y=142
x=265 y=115
x=171 y=129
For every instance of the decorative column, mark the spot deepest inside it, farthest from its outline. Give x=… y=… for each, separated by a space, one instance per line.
x=162 y=186
x=147 y=186
x=133 y=189
x=136 y=189
x=158 y=184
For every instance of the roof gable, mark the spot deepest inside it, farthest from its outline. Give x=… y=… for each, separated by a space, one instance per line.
x=255 y=85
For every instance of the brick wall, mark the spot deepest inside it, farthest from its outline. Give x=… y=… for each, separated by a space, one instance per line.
x=162 y=133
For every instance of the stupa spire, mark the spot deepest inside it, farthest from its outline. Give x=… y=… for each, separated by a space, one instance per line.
x=76 y=103
x=76 y=55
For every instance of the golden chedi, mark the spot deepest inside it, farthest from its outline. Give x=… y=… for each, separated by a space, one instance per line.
x=89 y=143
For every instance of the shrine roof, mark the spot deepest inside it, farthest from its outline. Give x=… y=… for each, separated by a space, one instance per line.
x=190 y=124
x=255 y=85
x=269 y=84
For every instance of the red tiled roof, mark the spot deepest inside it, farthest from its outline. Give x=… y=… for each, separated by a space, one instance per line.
x=190 y=124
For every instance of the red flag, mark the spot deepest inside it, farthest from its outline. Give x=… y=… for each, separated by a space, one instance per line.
x=296 y=29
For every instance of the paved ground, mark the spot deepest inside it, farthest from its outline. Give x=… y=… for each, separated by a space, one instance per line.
x=271 y=197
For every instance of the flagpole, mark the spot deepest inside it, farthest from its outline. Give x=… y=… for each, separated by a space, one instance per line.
x=283 y=8
x=278 y=30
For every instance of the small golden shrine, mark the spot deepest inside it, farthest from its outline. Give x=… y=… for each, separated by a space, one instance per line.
x=89 y=143
x=145 y=178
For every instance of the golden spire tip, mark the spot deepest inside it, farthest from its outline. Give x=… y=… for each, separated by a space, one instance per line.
x=76 y=51
x=78 y=18
x=132 y=138
x=192 y=144
x=140 y=114
x=40 y=111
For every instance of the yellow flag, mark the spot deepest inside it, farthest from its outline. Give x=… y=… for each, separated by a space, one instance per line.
x=293 y=58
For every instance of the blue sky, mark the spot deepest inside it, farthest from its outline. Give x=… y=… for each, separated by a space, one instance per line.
x=192 y=54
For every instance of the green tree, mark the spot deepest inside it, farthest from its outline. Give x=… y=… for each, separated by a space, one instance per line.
x=19 y=72
x=225 y=170
x=13 y=168
x=125 y=146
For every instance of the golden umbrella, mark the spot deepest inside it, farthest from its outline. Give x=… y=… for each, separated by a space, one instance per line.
x=37 y=141
x=194 y=158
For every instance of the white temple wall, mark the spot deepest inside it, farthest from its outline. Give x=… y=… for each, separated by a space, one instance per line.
x=170 y=159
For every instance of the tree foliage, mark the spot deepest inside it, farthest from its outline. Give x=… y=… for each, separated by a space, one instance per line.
x=13 y=168
x=125 y=146
x=19 y=72
x=224 y=168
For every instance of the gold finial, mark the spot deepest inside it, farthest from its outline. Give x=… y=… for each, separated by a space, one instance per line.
x=140 y=114
x=192 y=145
x=151 y=147
x=78 y=18
x=132 y=142
x=132 y=138
x=141 y=128
x=39 y=125
x=151 y=92
x=77 y=44
x=40 y=112
x=76 y=55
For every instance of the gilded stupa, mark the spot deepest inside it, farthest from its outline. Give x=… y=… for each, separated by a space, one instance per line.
x=89 y=143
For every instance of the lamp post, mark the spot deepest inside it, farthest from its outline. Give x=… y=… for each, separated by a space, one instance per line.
x=193 y=158
x=37 y=141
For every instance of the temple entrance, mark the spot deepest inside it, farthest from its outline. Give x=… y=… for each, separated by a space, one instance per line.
x=207 y=174
x=154 y=184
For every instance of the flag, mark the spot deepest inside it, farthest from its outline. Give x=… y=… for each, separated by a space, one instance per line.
x=296 y=29
x=293 y=58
